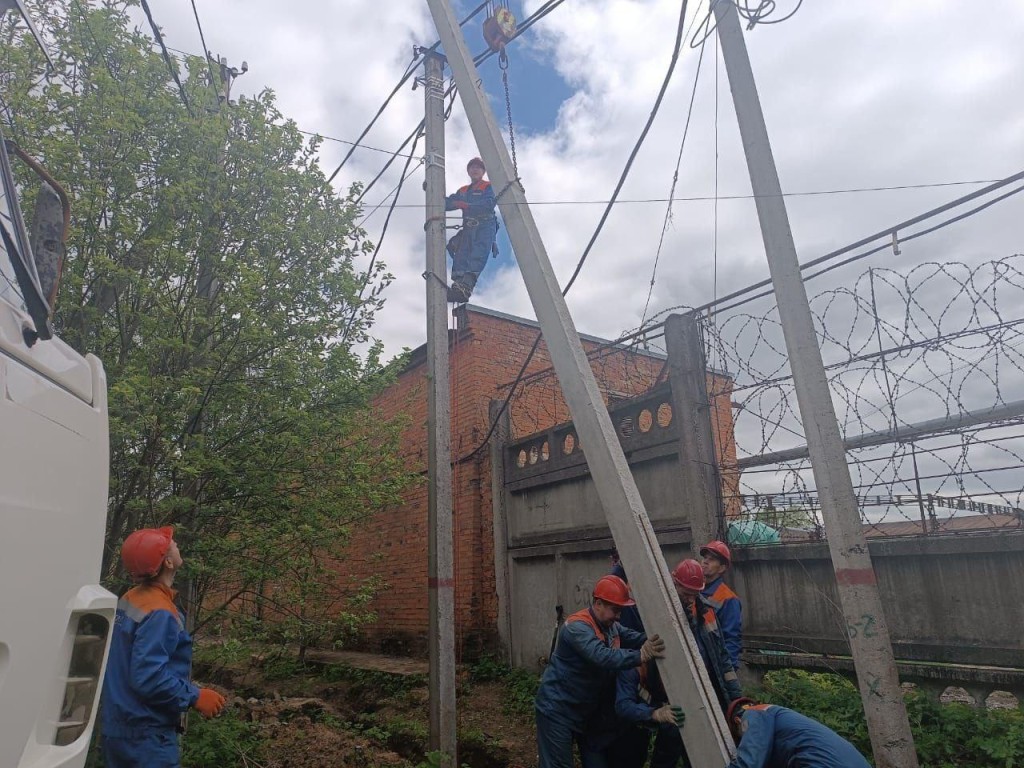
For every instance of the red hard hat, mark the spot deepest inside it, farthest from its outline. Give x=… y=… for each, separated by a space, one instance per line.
x=613 y=590
x=476 y=161
x=689 y=575
x=719 y=549
x=144 y=550
x=735 y=711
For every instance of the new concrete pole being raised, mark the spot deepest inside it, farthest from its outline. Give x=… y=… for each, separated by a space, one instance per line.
x=440 y=582
x=686 y=681
x=891 y=740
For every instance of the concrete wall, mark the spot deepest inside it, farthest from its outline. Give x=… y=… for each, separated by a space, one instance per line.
x=950 y=600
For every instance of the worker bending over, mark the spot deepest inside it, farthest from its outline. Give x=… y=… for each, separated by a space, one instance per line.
x=147 y=686
x=716 y=559
x=775 y=737
x=473 y=244
x=591 y=648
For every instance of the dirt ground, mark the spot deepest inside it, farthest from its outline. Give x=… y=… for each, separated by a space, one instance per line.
x=349 y=709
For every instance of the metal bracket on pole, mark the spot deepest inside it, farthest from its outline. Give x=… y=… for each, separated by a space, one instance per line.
x=686 y=680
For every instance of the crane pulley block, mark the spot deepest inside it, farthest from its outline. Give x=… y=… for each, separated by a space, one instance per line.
x=499 y=28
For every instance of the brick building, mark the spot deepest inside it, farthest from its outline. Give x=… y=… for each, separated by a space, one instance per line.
x=486 y=353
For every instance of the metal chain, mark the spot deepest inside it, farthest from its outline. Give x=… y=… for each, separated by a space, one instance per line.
x=503 y=63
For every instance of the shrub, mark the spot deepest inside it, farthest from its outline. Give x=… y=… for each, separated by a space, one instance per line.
x=946 y=735
x=219 y=741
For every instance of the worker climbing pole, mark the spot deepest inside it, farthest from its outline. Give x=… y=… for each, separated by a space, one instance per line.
x=475 y=242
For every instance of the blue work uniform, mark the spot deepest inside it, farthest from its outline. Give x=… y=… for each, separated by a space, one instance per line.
x=776 y=737
x=147 y=686
x=639 y=693
x=704 y=625
x=579 y=675
x=730 y=617
x=473 y=244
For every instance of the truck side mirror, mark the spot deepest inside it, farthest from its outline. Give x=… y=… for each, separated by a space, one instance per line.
x=47 y=237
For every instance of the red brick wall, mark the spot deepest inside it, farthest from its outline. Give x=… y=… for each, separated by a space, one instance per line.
x=485 y=358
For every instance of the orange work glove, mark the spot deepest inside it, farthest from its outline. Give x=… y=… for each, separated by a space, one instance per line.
x=209 y=703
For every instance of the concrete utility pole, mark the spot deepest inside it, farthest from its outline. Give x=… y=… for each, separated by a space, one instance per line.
x=206 y=286
x=441 y=584
x=686 y=681
x=891 y=740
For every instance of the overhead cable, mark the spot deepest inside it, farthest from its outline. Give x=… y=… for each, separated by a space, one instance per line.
x=167 y=56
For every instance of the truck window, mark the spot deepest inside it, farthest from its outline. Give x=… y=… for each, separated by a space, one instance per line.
x=9 y=289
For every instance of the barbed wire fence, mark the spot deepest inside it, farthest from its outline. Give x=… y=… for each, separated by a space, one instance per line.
x=926 y=369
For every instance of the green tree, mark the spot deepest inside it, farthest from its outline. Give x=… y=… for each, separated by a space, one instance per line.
x=241 y=414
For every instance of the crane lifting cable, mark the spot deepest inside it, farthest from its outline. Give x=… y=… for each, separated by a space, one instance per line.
x=498 y=29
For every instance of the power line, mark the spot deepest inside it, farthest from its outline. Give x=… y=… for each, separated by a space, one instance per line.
x=325 y=137
x=672 y=189
x=410 y=70
x=202 y=39
x=887 y=233
x=394 y=155
x=380 y=111
x=384 y=231
x=712 y=198
x=167 y=56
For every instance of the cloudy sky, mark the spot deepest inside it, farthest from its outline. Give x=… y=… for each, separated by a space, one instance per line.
x=867 y=94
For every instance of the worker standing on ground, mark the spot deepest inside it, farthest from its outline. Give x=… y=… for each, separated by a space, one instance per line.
x=775 y=737
x=716 y=559
x=689 y=581
x=474 y=243
x=147 y=686
x=591 y=648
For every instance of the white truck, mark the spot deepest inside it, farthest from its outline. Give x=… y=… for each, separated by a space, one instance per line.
x=54 y=454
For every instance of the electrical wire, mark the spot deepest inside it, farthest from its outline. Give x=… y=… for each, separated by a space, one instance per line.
x=409 y=71
x=709 y=198
x=394 y=155
x=871 y=252
x=206 y=49
x=167 y=56
x=887 y=234
x=384 y=231
x=672 y=189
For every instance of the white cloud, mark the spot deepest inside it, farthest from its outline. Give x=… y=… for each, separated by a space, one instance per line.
x=855 y=94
